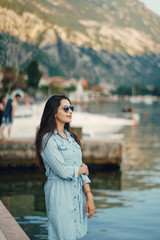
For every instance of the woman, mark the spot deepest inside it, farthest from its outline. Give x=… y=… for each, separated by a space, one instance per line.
x=2 y=107
x=67 y=182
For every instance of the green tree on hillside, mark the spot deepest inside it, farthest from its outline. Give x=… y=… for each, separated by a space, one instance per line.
x=34 y=74
x=10 y=75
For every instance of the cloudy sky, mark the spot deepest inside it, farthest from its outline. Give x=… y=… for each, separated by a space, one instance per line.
x=154 y=5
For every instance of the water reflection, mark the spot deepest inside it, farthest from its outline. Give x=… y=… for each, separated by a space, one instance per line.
x=26 y=190
x=106 y=180
x=22 y=193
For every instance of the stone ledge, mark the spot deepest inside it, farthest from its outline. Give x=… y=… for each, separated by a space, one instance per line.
x=9 y=228
x=94 y=152
x=2 y=237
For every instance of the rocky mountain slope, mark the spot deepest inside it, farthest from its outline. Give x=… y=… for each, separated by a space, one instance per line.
x=102 y=40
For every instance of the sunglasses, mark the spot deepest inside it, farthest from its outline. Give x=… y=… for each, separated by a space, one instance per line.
x=66 y=108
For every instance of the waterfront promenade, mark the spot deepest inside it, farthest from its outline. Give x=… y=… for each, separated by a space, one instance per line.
x=9 y=228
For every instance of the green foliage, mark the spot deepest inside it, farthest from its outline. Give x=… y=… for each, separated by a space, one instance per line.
x=34 y=74
x=9 y=78
x=123 y=90
x=57 y=90
x=44 y=89
x=21 y=82
x=156 y=92
x=70 y=89
x=136 y=90
x=139 y=90
x=47 y=90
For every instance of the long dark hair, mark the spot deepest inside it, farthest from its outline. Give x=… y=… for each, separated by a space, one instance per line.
x=1 y=98
x=48 y=124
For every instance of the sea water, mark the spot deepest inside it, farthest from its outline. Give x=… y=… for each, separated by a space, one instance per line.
x=127 y=201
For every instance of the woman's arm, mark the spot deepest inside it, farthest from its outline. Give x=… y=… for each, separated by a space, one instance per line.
x=53 y=157
x=90 y=207
x=2 y=107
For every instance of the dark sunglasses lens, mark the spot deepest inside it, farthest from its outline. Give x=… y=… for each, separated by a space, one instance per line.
x=66 y=109
x=72 y=108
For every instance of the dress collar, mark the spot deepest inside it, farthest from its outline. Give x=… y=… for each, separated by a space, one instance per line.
x=67 y=133
x=55 y=132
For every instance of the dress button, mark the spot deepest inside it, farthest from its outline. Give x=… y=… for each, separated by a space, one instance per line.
x=74 y=220
x=74 y=185
x=74 y=197
x=75 y=209
x=74 y=162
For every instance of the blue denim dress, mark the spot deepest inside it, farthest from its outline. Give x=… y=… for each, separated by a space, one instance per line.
x=64 y=196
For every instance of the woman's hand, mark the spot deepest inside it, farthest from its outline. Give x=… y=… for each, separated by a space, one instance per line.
x=86 y=169
x=90 y=207
x=83 y=170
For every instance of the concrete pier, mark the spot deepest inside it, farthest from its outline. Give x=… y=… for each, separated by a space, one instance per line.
x=94 y=151
x=9 y=228
x=102 y=151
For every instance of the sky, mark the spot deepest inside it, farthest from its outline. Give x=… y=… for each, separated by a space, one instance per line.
x=154 y=5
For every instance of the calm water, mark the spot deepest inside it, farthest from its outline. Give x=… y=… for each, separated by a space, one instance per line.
x=127 y=201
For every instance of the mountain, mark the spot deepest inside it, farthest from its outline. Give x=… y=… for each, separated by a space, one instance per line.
x=102 y=40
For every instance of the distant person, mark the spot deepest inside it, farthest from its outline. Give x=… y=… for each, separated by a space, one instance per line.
x=2 y=107
x=127 y=109
x=26 y=101
x=8 y=115
x=68 y=195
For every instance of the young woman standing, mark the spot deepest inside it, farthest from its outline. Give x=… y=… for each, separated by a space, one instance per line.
x=67 y=192
x=2 y=107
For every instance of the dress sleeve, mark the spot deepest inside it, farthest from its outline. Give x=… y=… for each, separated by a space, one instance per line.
x=55 y=160
x=85 y=179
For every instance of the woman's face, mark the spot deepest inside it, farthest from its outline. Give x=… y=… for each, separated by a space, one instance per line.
x=4 y=99
x=61 y=115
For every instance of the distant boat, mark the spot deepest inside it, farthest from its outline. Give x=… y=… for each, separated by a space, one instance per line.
x=136 y=99
x=95 y=125
x=148 y=100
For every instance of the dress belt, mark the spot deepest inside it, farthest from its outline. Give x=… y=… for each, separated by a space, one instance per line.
x=80 y=196
x=53 y=178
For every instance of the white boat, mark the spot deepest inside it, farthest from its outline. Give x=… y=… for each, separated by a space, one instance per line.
x=93 y=125
x=148 y=100
x=136 y=99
